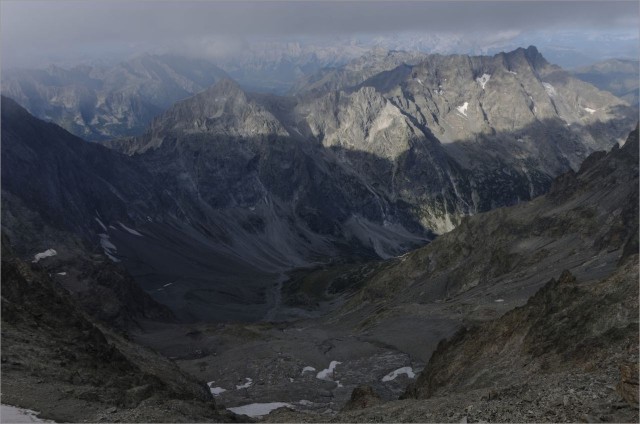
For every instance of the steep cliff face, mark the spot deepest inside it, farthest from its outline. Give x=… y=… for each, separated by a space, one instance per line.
x=508 y=123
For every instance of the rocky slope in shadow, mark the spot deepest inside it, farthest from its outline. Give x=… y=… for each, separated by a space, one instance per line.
x=85 y=202
x=582 y=225
x=545 y=299
x=60 y=362
x=569 y=354
x=56 y=190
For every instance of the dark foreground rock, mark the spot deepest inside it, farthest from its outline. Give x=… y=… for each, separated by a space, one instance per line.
x=57 y=360
x=362 y=397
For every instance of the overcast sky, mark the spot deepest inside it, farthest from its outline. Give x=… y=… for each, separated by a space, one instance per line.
x=36 y=31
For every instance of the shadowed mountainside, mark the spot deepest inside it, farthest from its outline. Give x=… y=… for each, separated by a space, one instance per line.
x=57 y=360
x=544 y=296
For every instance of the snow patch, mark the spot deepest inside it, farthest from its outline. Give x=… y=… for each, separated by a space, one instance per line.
x=307 y=369
x=589 y=110
x=483 y=80
x=105 y=243
x=327 y=373
x=305 y=402
x=12 y=414
x=216 y=391
x=246 y=385
x=42 y=255
x=167 y=285
x=394 y=374
x=499 y=300
x=255 y=410
x=463 y=109
x=111 y=257
x=550 y=89
x=62 y=273
x=108 y=247
x=419 y=81
x=104 y=228
x=512 y=73
x=129 y=230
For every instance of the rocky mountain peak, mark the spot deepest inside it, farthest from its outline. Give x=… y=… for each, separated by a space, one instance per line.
x=223 y=110
x=224 y=86
x=224 y=96
x=535 y=57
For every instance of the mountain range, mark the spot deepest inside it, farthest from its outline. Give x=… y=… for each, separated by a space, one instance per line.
x=99 y=102
x=313 y=250
x=617 y=76
x=368 y=166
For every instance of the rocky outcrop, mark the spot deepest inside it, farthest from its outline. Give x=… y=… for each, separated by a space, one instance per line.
x=628 y=385
x=362 y=397
x=557 y=328
x=554 y=359
x=566 y=327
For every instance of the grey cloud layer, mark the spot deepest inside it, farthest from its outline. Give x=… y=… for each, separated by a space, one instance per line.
x=32 y=26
